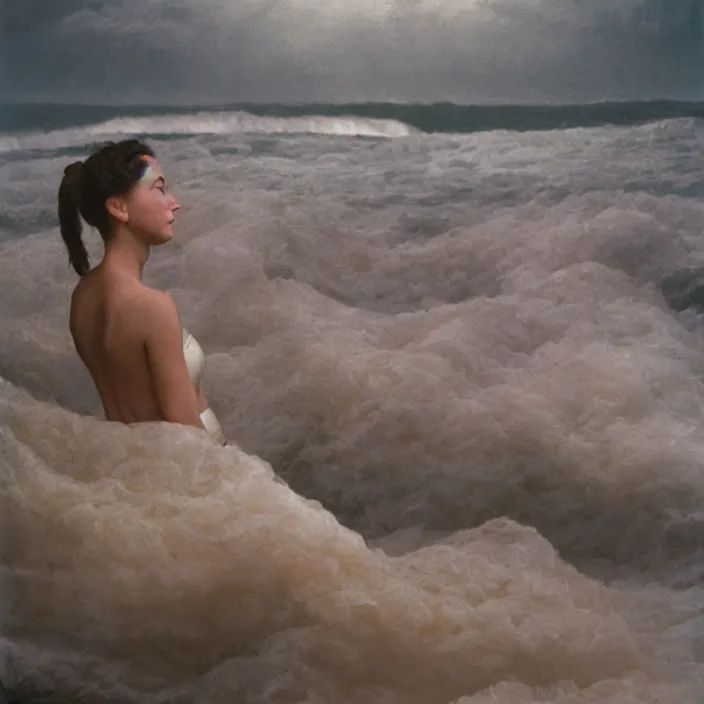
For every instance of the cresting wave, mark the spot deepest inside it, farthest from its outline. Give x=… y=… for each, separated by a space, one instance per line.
x=64 y=125
x=205 y=123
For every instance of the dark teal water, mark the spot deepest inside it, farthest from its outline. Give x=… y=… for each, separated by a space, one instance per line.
x=437 y=117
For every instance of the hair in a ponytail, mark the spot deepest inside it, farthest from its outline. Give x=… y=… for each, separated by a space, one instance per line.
x=86 y=185
x=70 y=219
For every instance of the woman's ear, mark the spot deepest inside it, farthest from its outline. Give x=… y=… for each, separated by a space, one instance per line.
x=117 y=207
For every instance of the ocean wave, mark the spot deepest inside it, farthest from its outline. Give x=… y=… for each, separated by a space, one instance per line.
x=215 y=123
x=65 y=126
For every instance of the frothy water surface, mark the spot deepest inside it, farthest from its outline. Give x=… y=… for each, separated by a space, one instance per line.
x=467 y=460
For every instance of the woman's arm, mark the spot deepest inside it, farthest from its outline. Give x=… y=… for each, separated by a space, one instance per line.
x=175 y=393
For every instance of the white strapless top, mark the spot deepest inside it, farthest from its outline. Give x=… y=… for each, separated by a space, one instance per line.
x=195 y=362
x=195 y=359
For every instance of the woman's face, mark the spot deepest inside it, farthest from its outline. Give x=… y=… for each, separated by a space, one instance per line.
x=152 y=208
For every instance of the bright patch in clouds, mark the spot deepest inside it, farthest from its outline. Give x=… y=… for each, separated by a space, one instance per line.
x=276 y=50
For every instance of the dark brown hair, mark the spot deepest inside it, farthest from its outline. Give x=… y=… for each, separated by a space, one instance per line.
x=86 y=185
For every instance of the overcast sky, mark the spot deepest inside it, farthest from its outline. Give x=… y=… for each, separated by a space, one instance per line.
x=188 y=51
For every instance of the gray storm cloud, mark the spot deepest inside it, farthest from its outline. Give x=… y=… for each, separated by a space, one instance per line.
x=329 y=50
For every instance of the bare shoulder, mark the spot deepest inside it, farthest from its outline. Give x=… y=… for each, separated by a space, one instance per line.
x=154 y=311
x=83 y=295
x=82 y=289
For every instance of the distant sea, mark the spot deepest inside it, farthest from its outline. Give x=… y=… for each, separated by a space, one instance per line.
x=435 y=117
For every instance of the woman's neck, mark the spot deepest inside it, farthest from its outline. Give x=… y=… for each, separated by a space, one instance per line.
x=126 y=254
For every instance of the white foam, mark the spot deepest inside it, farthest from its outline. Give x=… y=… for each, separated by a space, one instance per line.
x=475 y=375
x=174 y=564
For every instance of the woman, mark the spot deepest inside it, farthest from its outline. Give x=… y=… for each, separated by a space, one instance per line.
x=145 y=366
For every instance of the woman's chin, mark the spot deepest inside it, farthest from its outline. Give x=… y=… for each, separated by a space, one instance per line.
x=166 y=235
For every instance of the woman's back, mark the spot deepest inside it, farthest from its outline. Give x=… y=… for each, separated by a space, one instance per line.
x=108 y=331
